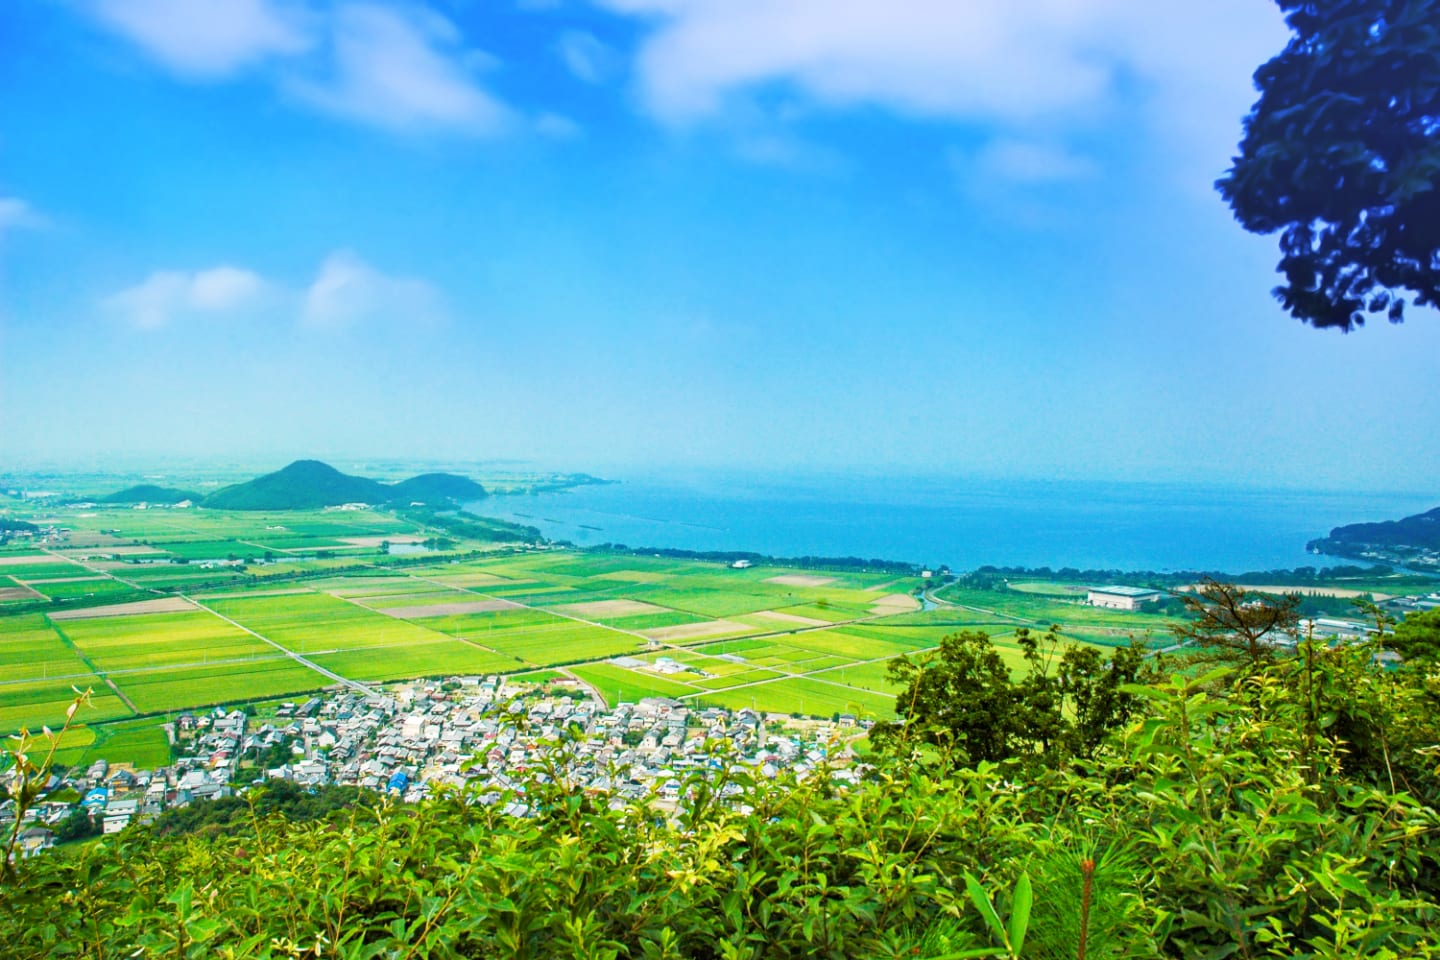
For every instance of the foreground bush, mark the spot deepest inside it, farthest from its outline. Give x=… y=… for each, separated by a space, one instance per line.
x=1220 y=824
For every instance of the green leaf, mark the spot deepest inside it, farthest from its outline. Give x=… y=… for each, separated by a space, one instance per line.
x=1214 y=675
x=181 y=898
x=981 y=900
x=203 y=929
x=1020 y=913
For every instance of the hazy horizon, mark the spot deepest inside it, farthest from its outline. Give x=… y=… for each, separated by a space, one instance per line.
x=635 y=235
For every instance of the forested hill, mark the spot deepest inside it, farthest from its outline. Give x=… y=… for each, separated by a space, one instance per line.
x=150 y=493
x=1419 y=533
x=309 y=484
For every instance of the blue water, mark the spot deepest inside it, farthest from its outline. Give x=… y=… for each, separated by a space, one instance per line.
x=964 y=523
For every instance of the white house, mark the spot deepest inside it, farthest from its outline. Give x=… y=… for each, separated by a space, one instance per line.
x=1121 y=598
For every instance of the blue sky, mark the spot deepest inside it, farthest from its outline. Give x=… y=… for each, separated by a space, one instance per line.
x=919 y=236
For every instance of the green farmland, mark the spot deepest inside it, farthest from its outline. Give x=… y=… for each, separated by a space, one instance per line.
x=137 y=609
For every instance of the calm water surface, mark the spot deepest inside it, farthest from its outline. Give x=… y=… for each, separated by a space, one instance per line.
x=961 y=522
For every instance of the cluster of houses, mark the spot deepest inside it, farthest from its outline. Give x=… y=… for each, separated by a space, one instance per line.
x=466 y=729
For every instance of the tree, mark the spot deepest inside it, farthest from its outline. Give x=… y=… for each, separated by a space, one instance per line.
x=960 y=698
x=1341 y=154
x=963 y=699
x=1236 y=626
x=76 y=826
x=1417 y=637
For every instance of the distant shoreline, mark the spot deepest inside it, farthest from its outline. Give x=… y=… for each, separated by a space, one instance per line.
x=925 y=522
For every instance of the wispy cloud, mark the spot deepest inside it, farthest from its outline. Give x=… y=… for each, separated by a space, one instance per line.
x=348 y=291
x=586 y=57
x=167 y=296
x=557 y=126
x=401 y=67
x=1026 y=161
x=208 y=40
x=16 y=213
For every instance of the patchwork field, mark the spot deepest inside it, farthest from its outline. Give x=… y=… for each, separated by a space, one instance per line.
x=189 y=628
x=119 y=644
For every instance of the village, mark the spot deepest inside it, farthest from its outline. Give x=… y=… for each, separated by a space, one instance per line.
x=492 y=733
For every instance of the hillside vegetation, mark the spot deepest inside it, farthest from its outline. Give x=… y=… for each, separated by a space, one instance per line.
x=310 y=484
x=1286 y=811
x=150 y=493
x=1421 y=531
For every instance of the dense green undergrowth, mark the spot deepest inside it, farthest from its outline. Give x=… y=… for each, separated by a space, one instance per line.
x=1284 y=813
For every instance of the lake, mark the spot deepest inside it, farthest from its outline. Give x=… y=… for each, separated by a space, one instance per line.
x=964 y=523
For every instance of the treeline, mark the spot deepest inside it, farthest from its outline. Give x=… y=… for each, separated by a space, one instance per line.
x=471 y=527
x=899 y=568
x=236 y=816
x=1297 y=577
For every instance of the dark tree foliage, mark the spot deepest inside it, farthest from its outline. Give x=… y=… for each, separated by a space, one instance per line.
x=1236 y=626
x=77 y=826
x=1342 y=155
x=233 y=815
x=1417 y=637
x=964 y=700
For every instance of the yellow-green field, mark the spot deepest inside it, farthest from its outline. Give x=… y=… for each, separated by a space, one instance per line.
x=771 y=638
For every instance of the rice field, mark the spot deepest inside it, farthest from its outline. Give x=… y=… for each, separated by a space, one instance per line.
x=123 y=643
x=804 y=695
x=777 y=639
x=314 y=623
x=30 y=649
x=440 y=658
x=156 y=691
x=535 y=637
x=619 y=685
x=39 y=703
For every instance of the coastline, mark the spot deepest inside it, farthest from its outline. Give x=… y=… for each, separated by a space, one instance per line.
x=963 y=524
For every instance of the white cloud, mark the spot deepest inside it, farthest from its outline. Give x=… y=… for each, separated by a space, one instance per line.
x=208 y=39
x=1017 y=66
x=347 y=290
x=17 y=214
x=169 y=295
x=401 y=69
x=557 y=126
x=1027 y=161
x=223 y=288
x=586 y=57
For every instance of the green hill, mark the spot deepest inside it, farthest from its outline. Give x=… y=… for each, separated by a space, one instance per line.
x=310 y=484
x=149 y=493
x=1421 y=530
x=434 y=489
x=1401 y=540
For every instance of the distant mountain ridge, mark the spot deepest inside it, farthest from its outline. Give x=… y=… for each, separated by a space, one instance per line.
x=1415 y=534
x=150 y=493
x=311 y=484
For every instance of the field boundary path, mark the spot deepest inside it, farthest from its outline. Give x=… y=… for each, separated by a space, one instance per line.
x=942 y=602
x=345 y=681
x=310 y=664
x=65 y=639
